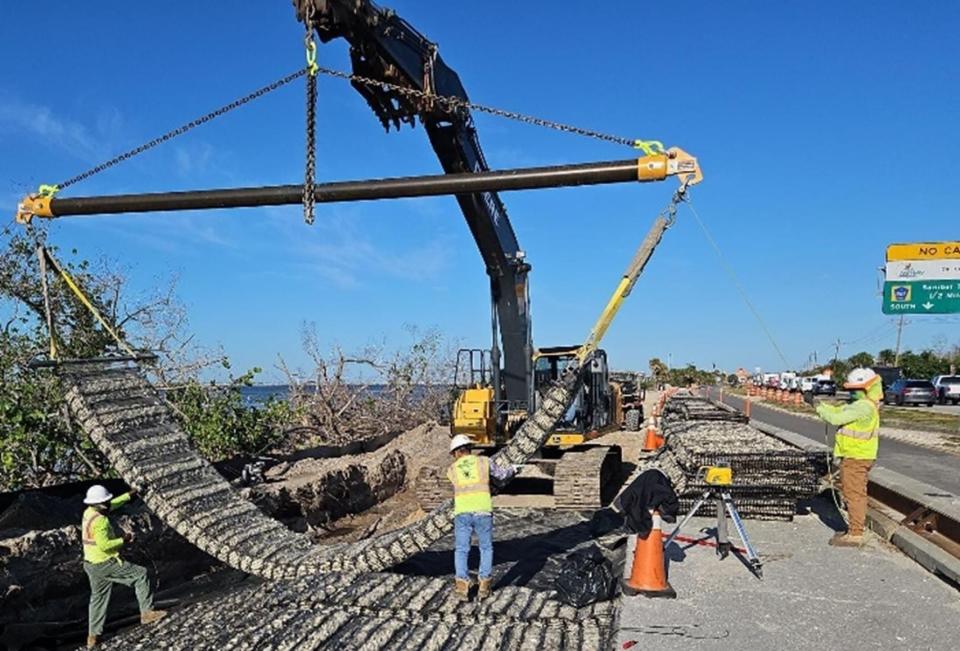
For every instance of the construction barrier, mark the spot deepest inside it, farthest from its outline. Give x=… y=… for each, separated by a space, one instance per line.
x=648 y=576
x=653 y=440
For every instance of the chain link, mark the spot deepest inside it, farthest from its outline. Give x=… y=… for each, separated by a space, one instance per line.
x=444 y=103
x=670 y=212
x=310 y=174
x=310 y=169
x=183 y=129
x=457 y=105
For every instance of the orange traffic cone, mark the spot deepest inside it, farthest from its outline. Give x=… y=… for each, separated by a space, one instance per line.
x=652 y=441
x=649 y=573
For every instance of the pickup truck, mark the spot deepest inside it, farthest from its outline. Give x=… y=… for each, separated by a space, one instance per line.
x=948 y=388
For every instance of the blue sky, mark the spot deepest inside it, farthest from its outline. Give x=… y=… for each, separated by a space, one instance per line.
x=826 y=131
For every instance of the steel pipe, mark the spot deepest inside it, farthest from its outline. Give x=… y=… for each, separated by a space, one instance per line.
x=621 y=171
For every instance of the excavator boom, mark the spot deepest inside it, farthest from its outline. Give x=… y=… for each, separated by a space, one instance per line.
x=385 y=47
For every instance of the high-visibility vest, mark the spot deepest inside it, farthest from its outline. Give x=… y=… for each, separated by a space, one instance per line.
x=470 y=476
x=91 y=552
x=861 y=438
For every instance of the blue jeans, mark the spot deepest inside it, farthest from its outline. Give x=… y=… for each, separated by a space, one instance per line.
x=464 y=525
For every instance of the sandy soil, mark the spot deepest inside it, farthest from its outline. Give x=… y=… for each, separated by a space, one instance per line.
x=427 y=445
x=424 y=445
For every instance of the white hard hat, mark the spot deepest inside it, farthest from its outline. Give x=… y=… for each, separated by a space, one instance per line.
x=460 y=441
x=860 y=378
x=97 y=494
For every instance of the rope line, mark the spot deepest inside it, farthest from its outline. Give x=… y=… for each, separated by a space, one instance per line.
x=736 y=281
x=84 y=300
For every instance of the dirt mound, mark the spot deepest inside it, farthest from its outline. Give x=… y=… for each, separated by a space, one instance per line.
x=34 y=511
x=310 y=494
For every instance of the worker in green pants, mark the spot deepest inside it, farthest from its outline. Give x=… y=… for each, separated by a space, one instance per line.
x=103 y=565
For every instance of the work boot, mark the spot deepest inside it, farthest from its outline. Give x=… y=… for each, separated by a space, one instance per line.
x=152 y=616
x=484 y=590
x=846 y=540
x=461 y=588
x=91 y=641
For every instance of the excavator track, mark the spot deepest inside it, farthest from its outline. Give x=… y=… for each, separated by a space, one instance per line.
x=579 y=482
x=582 y=477
x=129 y=421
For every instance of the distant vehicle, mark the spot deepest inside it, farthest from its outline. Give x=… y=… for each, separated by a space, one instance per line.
x=789 y=381
x=771 y=380
x=910 y=392
x=948 y=388
x=824 y=387
x=888 y=374
x=807 y=384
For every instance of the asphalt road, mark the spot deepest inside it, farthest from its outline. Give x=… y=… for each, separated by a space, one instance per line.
x=938 y=469
x=942 y=409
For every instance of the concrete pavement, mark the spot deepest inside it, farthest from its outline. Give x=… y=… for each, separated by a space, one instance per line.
x=812 y=597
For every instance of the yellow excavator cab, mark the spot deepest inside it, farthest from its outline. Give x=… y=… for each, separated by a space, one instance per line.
x=474 y=415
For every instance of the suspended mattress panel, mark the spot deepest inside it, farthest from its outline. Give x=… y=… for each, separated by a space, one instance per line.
x=129 y=421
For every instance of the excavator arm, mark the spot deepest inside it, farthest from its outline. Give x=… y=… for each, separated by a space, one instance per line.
x=386 y=48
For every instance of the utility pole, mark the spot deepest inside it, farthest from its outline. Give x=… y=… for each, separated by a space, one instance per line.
x=836 y=352
x=896 y=355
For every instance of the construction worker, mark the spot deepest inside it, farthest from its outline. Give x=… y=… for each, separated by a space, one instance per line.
x=856 y=446
x=473 y=512
x=102 y=563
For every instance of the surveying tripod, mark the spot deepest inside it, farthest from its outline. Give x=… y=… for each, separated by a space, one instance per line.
x=716 y=478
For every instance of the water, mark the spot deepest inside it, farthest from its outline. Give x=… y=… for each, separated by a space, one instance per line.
x=258 y=394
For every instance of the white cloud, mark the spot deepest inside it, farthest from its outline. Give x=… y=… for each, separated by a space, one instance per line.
x=341 y=251
x=338 y=249
x=69 y=135
x=193 y=158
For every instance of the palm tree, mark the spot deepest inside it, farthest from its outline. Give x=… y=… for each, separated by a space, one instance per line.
x=659 y=370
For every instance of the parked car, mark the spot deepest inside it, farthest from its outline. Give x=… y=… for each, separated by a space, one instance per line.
x=910 y=392
x=948 y=388
x=806 y=384
x=824 y=388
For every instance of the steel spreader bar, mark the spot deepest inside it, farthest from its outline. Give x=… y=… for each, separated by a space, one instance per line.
x=647 y=168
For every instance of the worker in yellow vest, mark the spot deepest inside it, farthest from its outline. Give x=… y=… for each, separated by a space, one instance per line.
x=102 y=563
x=473 y=512
x=856 y=446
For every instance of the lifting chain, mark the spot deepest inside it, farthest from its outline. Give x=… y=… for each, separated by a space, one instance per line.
x=670 y=212
x=458 y=105
x=426 y=100
x=260 y=92
x=310 y=172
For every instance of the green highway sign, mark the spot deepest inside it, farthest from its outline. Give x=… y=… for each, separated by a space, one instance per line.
x=921 y=297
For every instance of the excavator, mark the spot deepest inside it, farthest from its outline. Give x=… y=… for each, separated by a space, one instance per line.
x=404 y=80
x=496 y=389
